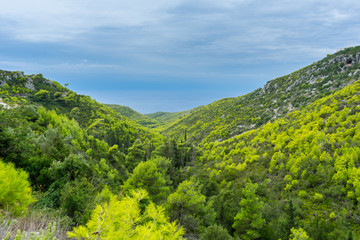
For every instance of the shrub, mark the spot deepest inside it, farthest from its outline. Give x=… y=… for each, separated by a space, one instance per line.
x=131 y=217
x=15 y=194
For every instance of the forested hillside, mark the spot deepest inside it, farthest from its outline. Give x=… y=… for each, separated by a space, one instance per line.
x=135 y=116
x=68 y=154
x=232 y=116
x=170 y=117
x=157 y=120
x=303 y=168
x=73 y=168
x=99 y=120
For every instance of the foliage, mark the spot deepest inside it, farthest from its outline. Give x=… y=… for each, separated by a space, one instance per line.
x=100 y=121
x=188 y=206
x=229 y=117
x=310 y=157
x=215 y=232
x=136 y=154
x=131 y=114
x=151 y=176
x=131 y=217
x=249 y=221
x=281 y=160
x=298 y=234
x=15 y=194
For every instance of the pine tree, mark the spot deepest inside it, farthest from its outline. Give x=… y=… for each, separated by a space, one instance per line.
x=249 y=220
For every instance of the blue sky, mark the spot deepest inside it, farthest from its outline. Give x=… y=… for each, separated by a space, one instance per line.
x=171 y=55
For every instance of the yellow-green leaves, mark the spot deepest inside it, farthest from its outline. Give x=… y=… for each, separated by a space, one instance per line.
x=15 y=191
x=131 y=217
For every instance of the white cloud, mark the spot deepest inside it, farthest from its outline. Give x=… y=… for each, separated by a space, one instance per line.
x=52 y=20
x=181 y=35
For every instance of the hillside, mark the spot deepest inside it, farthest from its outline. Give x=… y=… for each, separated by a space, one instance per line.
x=71 y=167
x=135 y=116
x=310 y=159
x=170 y=117
x=98 y=119
x=157 y=120
x=232 y=116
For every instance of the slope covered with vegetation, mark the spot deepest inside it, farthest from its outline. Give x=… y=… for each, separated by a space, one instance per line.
x=135 y=116
x=232 y=116
x=304 y=169
x=157 y=120
x=74 y=168
x=99 y=120
x=76 y=154
x=169 y=117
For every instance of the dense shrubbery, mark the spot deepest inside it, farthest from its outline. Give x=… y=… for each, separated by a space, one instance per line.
x=229 y=117
x=296 y=177
x=130 y=217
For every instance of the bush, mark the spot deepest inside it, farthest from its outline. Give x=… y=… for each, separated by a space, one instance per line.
x=15 y=194
x=131 y=217
x=215 y=232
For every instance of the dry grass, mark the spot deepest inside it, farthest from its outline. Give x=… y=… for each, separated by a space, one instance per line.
x=33 y=222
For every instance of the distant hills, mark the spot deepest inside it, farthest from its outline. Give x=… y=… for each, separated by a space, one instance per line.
x=157 y=120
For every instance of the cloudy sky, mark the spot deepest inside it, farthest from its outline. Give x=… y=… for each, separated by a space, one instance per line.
x=171 y=55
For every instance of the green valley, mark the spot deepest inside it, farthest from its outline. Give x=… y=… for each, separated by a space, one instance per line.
x=281 y=162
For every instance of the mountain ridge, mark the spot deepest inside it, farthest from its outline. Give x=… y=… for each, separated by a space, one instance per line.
x=232 y=116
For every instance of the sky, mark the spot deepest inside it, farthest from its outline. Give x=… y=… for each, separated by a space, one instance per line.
x=171 y=55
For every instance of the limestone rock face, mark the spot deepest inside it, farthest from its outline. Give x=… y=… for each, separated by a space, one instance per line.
x=30 y=84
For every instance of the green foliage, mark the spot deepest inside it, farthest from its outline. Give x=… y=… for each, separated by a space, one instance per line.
x=188 y=206
x=229 y=117
x=151 y=176
x=311 y=157
x=298 y=234
x=303 y=165
x=136 y=154
x=128 y=218
x=77 y=200
x=249 y=220
x=142 y=119
x=15 y=194
x=215 y=232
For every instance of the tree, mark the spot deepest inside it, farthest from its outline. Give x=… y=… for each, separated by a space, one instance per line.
x=249 y=220
x=131 y=217
x=15 y=191
x=188 y=206
x=77 y=199
x=147 y=175
x=135 y=156
x=215 y=232
x=298 y=234
x=42 y=95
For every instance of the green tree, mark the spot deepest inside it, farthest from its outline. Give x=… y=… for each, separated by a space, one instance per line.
x=215 y=232
x=131 y=217
x=188 y=206
x=149 y=176
x=249 y=221
x=135 y=155
x=15 y=191
x=77 y=200
x=42 y=95
x=298 y=234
